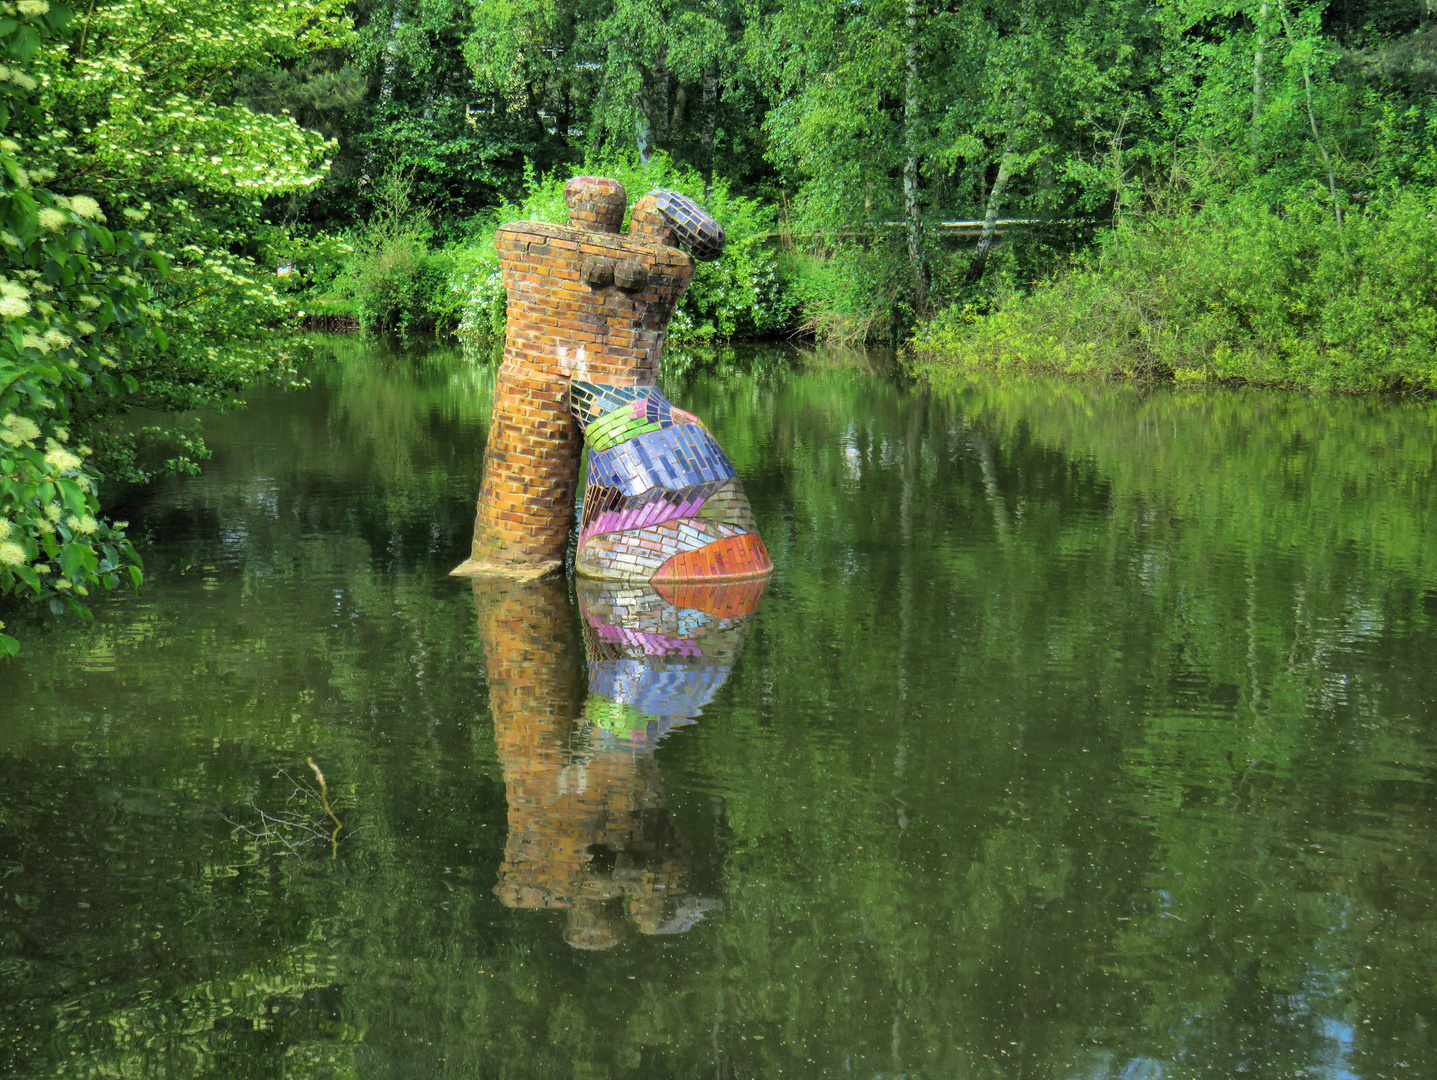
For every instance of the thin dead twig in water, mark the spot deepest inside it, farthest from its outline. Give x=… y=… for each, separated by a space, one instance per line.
x=295 y=827
x=324 y=798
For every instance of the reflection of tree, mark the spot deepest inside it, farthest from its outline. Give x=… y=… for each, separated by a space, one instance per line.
x=1168 y=756
x=589 y=833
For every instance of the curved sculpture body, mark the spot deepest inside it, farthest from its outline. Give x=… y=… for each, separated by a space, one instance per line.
x=588 y=311
x=662 y=502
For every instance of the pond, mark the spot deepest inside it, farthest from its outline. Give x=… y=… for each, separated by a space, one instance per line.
x=1083 y=732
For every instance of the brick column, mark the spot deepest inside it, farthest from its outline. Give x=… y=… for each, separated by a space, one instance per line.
x=586 y=302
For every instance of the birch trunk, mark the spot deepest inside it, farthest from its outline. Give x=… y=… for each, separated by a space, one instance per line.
x=912 y=210
x=990 y=219
x=386 y=84
x=391 y=53
x=710 y=129
x=660 y=111
x=643 y=134
x=1257 y=87
x=1316 y=134
x=681 y=100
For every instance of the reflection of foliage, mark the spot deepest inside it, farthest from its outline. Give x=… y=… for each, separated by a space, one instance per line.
x=1095 y=723
x=618 y=717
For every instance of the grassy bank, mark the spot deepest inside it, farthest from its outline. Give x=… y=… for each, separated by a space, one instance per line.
x=1232 y=293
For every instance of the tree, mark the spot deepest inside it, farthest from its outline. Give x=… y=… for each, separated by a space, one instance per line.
x=171 y=309
x=607 y=75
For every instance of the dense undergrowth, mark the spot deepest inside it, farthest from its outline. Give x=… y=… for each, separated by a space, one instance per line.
x=399 y=272
x=1228 y=293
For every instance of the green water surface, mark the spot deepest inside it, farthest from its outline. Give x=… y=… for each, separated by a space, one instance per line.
x=1085 y=733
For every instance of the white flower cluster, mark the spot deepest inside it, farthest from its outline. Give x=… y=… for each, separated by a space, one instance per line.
x=18 y=431
x=19 y=78
x=61 y=460
x=12 y=299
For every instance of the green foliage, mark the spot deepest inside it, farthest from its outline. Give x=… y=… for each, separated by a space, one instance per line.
x=742 y=294
x=609 y=78
x=70 y=290
x=149 y=283
x=848 y=296
x=130 y=116
x=391 y=274
x=1228 y=293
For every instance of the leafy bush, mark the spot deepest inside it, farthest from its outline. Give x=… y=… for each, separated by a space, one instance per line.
x=848 y=296
x=1232 y=292
x=393 y=278
x=743 y=294
x=66 y=284
x=149 y=283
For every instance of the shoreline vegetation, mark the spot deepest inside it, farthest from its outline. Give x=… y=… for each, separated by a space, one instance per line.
x=1201 y=192
x=1237 y=296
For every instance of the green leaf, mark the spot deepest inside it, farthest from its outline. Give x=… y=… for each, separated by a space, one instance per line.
x=26 y=43
x=137 y=576
x=7 y=27
x=8 y=646
x=161 y=338
x=27 y=575
x=77 y=559
x=57 y=606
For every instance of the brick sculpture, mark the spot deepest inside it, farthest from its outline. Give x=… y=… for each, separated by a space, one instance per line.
x=589 y=832
x=588 y=310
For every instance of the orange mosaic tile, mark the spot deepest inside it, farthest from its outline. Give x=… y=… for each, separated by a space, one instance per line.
x=729 y=600
x=733 y=557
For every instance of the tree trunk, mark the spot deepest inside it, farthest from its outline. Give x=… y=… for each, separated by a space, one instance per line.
x=912 y=210
x=660 y=111
x=710 y=131
x=1257 y=87
x=681 y=100
x=391 y=53
x=1316 y=134
x=990 y=219
x=643 y=134
x=386 y=84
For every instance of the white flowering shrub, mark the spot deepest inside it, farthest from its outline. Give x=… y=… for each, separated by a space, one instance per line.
x=66 y=283
x=485 y=303
x=129 y=93
x=150 y=281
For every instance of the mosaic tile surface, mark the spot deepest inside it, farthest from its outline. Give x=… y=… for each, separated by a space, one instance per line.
x=655 y=665
x=662 y=501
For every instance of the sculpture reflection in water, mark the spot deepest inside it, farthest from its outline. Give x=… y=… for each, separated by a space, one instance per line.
x=589 y=830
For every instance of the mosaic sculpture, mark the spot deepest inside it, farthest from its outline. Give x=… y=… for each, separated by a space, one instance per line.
x=589 y=831
x=588 y=310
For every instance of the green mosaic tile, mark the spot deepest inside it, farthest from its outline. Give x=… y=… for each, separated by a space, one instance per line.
x=617 y=426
